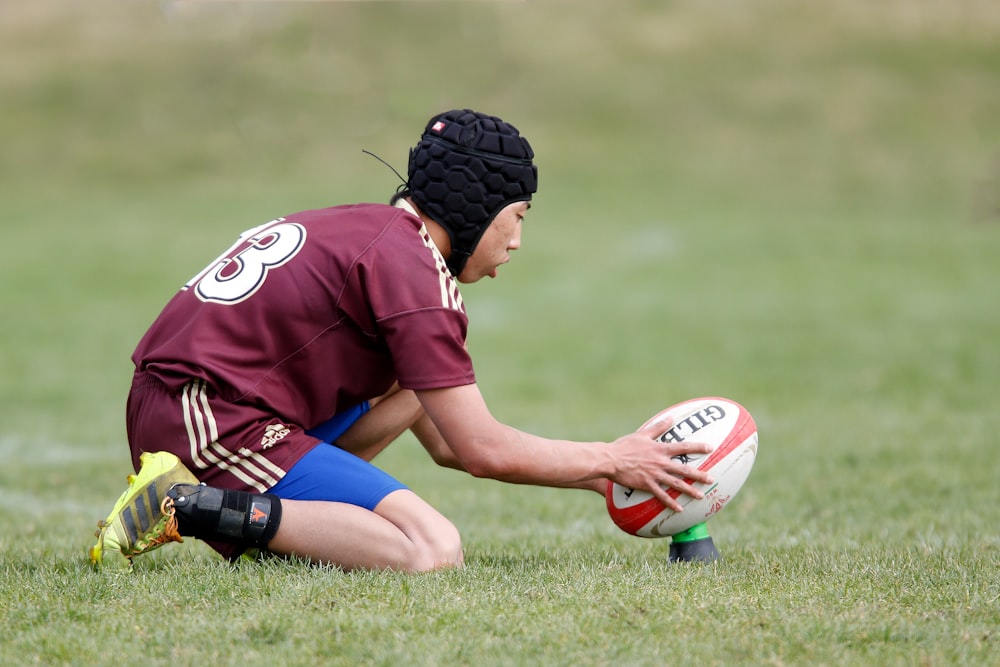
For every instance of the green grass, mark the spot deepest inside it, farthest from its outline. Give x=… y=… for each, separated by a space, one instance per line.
x=792 y=205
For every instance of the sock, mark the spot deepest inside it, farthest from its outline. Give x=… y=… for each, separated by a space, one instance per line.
x=226 y=515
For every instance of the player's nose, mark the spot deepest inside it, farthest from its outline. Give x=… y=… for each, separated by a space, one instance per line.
x=515 y=241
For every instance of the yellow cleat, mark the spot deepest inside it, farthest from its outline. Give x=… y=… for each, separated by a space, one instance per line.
x=143 y=518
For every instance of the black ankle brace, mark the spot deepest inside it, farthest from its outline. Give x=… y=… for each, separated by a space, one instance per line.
x=225 y=515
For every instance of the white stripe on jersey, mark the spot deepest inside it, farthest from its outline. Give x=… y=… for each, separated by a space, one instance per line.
x=252 y=469
x=450 y=296
x=263 y=462
x=194 y=423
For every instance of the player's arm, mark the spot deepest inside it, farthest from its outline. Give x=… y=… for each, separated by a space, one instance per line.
x=487 y=448
x=432 y=440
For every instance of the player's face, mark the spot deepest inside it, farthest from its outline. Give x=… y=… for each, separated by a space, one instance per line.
x=500 y=238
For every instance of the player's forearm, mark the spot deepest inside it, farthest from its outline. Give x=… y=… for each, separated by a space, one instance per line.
x=509 y=455
x=432 y=440
x=486 y=448
x=435 y=444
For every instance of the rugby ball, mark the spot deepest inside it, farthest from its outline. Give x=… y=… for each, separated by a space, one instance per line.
x=717 y=421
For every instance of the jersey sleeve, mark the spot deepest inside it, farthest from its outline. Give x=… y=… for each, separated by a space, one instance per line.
x=417 y=308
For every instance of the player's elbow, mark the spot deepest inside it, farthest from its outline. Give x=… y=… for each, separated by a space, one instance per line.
x=488 y=466
x=447 y=459
x=477 y=467
x=489 y=455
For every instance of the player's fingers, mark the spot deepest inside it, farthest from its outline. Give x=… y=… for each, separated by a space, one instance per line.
x=690 y=472
x=687 y=471
x=682 y=480
x=657 y=426
x=687 y=489
x=662 y=493
x=689 y=447
x=672 y=483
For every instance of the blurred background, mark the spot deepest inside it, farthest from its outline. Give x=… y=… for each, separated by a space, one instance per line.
x=792 y=204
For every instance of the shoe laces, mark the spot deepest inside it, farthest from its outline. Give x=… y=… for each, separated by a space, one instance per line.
x=169 y=532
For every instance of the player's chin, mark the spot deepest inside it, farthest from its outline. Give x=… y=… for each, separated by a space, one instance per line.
x=468 y=277
x=496 y=268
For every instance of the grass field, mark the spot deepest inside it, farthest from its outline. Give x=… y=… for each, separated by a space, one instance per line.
x=792 y=204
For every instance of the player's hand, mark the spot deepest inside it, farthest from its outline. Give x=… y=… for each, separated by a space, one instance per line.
x=646 y=464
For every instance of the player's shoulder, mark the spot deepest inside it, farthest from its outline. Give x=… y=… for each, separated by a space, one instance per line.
x=368 y=230
x=363 y=223
x=362 y=213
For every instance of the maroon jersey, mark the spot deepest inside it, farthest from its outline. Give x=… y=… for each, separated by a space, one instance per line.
x=308 y=315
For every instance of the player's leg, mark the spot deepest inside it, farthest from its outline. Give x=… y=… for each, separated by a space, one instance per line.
x=403 y=533
x=338 y=508
x=331 y=507
x=398 y=531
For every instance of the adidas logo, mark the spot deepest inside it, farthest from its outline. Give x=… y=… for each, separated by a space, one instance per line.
x=273 y=433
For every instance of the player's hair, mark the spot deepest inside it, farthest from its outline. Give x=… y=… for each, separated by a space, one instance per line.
x=465 y=169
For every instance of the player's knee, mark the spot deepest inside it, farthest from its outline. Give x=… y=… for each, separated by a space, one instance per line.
x=449 y=548
x=442 y=551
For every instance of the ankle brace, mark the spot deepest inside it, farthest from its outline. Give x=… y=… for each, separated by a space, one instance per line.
x=226 y=515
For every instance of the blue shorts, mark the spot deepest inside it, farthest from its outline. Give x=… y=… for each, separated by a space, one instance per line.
x=329 y=473
x=337 y=425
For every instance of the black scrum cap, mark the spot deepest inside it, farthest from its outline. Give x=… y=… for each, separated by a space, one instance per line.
x=465 y=169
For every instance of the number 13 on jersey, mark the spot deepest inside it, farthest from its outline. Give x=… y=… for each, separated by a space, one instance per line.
x=240 y=271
